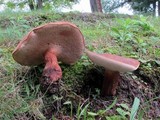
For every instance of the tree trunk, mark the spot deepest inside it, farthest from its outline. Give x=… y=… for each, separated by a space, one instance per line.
x=158 y=8
x=154 y=8
x=93 y=5
x=96 y=5
x=31 y=4
x=39 y=4
x=99 y=5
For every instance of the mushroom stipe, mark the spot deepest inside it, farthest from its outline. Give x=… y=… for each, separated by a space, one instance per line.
x=52 y=70
x=110 y=82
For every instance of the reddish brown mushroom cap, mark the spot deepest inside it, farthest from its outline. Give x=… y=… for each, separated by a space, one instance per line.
x=64 y=38
x=113 y=62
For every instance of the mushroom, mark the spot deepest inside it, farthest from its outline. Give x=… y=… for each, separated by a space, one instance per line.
x=50 y=43
x=113 y=65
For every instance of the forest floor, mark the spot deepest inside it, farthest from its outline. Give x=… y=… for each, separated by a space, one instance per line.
x=77 y=95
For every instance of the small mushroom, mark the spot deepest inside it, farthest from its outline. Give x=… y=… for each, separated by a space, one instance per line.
x=50 y=43
x=113 y=65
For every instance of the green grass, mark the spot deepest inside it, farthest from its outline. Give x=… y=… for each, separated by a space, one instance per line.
x=20 y=94
x=11 y=101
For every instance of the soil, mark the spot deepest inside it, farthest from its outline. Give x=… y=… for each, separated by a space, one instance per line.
x=143 y=84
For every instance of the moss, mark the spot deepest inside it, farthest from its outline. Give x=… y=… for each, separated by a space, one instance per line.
x=74 y=75
x=149 y=72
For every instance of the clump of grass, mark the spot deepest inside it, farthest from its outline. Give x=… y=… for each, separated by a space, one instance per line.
x=134 y=35
x=124 y=111
x=11 y=101
x=92 y=34
x=16 y=25
x=16 y=93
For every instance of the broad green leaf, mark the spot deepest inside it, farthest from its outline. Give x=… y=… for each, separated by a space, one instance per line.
x=67 y=103
x=84 y=110
x=124 y=106
x=92 y=114
x=134 y=109
x=122 y=112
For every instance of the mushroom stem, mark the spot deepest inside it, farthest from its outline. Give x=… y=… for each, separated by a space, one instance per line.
x=110 y=83
x=52 y=70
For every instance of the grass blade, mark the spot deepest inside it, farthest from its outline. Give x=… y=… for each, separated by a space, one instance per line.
x=134 y=109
